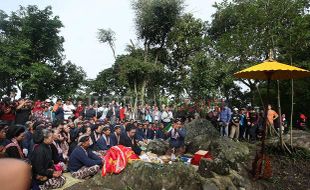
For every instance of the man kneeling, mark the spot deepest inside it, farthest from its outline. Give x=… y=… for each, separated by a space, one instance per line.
x=83 y=162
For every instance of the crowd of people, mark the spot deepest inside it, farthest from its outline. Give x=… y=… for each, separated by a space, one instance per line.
x=61 y=137
x=245 y=124
x=64 y=137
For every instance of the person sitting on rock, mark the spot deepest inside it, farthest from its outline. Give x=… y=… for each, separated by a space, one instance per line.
x=105 y=142
x=83 y=162
x=177 y=135
x=128 y=139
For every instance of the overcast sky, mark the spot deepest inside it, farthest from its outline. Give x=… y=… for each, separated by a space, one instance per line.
x=83 y=18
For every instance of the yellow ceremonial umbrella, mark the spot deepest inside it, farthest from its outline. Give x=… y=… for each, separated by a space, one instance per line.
x=270 y=70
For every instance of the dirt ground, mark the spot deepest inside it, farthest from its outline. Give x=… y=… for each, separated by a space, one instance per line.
x=289 y=173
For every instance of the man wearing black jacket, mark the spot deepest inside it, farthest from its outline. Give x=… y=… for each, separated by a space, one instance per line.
x=128 y=139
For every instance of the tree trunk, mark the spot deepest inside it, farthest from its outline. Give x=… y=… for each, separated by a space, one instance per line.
x=156 y=58
x=142 y=92
x=253 y=89
x=146 y=50
x=22 y=92
x=136 y=99
x=113 y=50
x=280 y=115
x=8 y=89
x=155 y=98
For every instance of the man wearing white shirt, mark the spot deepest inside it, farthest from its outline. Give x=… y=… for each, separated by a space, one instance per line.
x=156 y=114
x=166 y=116
x=68 y=109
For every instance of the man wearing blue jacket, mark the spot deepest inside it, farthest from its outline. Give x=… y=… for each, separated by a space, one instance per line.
x=83 y=162
x=105 y=142
x=225 y=117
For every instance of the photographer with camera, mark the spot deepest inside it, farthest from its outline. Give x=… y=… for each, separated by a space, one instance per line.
x=23 y=111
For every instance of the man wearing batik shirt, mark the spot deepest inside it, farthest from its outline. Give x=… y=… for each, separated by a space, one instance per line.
x=235 y=119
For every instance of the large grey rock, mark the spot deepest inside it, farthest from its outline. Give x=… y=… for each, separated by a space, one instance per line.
x=202 y=135
x=300 y=139
x=209 y=185
x=158 y=146
x=199 y=135
x=148 y=176
x=229 y=151
x=207 y=168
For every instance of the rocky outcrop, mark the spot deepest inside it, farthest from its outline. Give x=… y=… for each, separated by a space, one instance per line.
x=300 y=139
x=201 y=134
x=148 y=176
x=229 y=151
x=158 y=146
x=207 y=167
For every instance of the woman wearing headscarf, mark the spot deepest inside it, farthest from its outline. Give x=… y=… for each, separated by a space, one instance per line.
x=44 y=172
x=14 y=149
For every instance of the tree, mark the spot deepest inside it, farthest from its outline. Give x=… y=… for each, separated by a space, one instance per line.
x=187 y=39
x=108 y=36
x=68 y=79
x=108 y=83
x=32 y=54
x=244 y=31
x=154 y=20
x=136 y=72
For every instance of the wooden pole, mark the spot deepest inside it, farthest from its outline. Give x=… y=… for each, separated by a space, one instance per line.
x=292 y=107
x=292 y=112
x=280 y=116
x=260 y=96
x=266 y=113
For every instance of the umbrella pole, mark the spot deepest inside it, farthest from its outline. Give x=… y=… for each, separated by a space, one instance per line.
x=260 y=96
x=266 y=119
x=280 y=116
x=292 y=111
x=261 y=164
